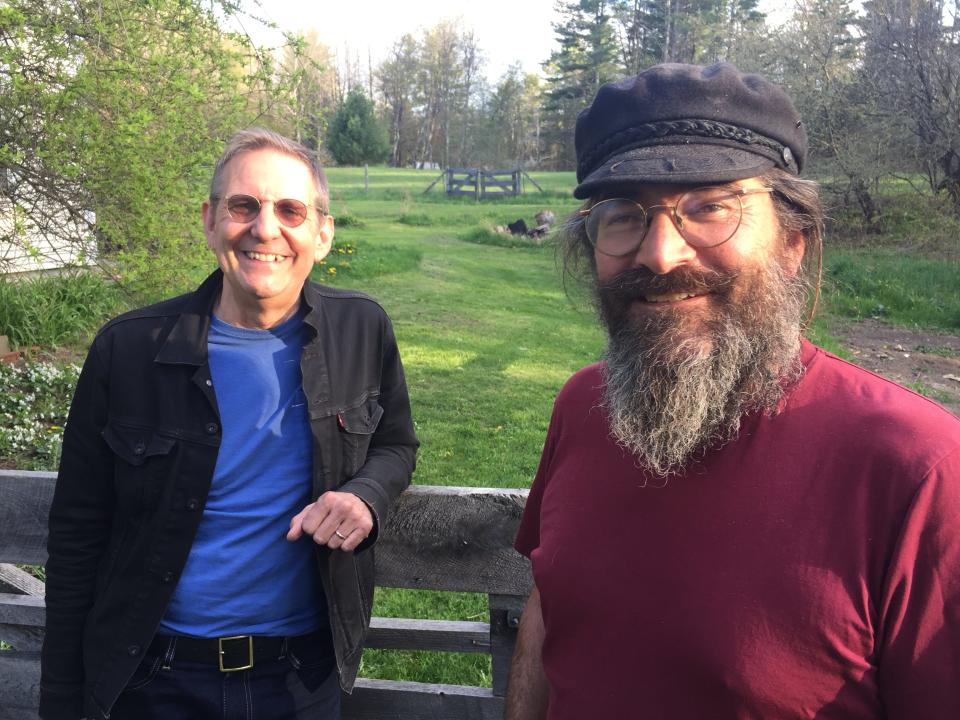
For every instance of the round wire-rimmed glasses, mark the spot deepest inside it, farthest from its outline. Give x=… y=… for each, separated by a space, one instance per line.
x=705 y=217
x=245 y=208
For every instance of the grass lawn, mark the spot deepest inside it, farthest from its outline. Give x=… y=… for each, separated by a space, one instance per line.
x=488 y=337
x=487 y=333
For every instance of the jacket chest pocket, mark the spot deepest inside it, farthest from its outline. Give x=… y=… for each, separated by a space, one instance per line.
x=141 y=465
x=357 y=426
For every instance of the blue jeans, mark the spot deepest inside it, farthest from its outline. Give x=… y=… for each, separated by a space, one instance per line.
x=294 y=686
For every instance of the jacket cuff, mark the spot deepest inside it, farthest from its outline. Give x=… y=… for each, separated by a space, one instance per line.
x=370 y=493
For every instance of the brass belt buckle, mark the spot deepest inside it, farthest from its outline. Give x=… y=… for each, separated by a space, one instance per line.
x=240 y=638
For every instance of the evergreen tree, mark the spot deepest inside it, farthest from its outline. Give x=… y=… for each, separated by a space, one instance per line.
x=356 y=135
x=584 y=60
x=640 y=31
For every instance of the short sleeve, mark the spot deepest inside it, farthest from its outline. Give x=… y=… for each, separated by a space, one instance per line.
x=528 y=536
x=919 y=634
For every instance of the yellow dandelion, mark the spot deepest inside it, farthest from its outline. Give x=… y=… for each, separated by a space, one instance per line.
x=332 y=270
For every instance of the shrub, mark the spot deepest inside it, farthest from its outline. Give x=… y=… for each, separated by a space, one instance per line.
x=489 y=236
x=53 y=310
x=33 y=413
x=348 y=221
x=419 y=219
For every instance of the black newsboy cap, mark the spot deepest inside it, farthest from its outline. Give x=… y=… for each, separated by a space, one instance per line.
x=677 y=123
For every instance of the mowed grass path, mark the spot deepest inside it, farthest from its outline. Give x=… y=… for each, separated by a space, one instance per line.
x=487 y=335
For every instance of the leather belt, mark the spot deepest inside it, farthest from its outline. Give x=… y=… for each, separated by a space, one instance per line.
x=238 y=652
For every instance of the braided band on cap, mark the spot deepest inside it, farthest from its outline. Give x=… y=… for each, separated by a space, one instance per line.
x=642 y=135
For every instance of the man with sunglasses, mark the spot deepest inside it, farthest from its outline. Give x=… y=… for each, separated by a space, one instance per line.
x=727 y=521
x=229 y=459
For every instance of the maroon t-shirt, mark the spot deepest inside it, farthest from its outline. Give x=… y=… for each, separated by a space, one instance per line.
x=808 y=569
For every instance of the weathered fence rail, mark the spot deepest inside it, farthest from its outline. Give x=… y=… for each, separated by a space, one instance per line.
x=479 y=183
x=437 y=538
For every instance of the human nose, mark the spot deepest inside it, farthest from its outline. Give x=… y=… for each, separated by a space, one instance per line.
x=266 y=224
x=663 y=248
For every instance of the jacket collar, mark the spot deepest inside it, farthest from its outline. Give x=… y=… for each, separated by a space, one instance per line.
x=311 y=299
x=187 y=342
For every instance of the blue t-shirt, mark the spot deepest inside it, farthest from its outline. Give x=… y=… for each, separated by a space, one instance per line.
x=243 y=576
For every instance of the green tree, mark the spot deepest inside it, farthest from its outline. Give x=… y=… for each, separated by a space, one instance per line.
x=513 y=120
x=397 y=83
x=356 y=135
x=433 y=91
x=111 y=115
x=640 y=33
x=912 y=69
x=697 y=31
x=821 y=58
x=307 y=67
x=584 y=59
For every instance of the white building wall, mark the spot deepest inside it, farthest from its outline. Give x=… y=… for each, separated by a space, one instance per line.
x=23 y=249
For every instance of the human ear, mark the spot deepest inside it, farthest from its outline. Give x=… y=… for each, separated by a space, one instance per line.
x=324 y=239
x=209 y=220
x=794 y=246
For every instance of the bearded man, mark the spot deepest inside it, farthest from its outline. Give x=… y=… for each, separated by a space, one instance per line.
x=727 y=521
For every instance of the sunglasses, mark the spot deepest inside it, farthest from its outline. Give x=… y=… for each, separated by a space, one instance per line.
x=245 y=208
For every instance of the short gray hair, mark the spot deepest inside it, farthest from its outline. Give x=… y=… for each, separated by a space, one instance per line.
x=797 y=204
x=257 y=138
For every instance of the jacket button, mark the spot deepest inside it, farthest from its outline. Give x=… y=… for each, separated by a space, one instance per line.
x=133 y=650
x=167 y=577
x=211 y=428
x=209 y=383
x=139 y=449
x=193 y=504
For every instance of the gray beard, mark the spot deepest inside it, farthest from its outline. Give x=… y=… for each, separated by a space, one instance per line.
x=669 y=395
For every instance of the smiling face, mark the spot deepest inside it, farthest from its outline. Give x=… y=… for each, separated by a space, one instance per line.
x=667 y=280
x=698 y=337
x=265 y=263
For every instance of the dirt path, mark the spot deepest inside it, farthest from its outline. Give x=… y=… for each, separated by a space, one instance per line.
x=921 y=359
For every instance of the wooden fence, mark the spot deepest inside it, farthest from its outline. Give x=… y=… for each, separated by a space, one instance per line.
x=478 y=183
x=437 y=538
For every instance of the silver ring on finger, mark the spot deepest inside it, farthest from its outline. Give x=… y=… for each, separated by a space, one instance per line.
x=339 y=534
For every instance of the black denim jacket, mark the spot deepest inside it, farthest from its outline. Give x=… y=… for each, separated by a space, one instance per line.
x=138 y=457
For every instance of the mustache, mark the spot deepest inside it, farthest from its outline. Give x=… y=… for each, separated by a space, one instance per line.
x=639 y=282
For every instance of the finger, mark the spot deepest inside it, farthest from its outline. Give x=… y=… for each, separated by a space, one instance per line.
x=296 y=523
x=338 y=538
x=352 y=509
x=325 y=534
x=353 y=539
x=318 y=518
